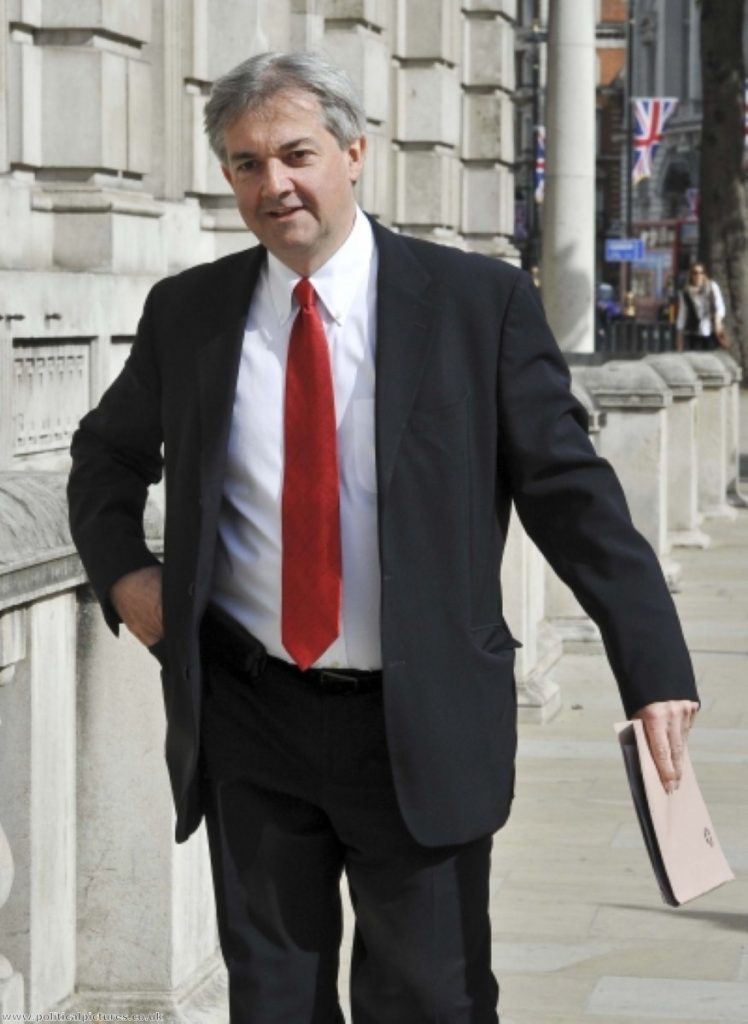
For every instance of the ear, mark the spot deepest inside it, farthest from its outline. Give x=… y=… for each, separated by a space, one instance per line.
x=226 y=171
x=356 y=152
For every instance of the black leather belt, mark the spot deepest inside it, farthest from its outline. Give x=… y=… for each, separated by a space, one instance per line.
x=223 y=640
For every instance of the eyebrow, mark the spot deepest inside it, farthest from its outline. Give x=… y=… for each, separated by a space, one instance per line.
x=248 y=154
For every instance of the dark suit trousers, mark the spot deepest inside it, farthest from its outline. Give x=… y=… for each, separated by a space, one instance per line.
x=299 y=790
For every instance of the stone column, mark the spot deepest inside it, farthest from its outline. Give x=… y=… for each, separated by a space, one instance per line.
x=147 y=938
x=713 y=434
x=37 y=800
x=12 y=650
x=733 y=429
x=522 y=572
x=568 y=262
x=635 y=399
x=578 y=633
x=683 y=477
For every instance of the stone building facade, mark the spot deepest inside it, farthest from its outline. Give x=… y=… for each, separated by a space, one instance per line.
x=107 y=182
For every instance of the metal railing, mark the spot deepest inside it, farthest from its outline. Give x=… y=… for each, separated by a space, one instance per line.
x=632 y=337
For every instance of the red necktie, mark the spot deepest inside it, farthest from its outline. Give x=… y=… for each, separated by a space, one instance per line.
x=312 y=574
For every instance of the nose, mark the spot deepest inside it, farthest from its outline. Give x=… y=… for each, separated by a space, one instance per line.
x=276 y=183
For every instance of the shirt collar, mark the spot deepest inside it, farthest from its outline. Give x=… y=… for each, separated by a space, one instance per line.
x=336 y=282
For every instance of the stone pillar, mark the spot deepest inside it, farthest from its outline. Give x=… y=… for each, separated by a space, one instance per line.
x=634 y=441
x=683 y=464
x=12 y=650
x=578 y=633
x=147 y=938
x=522 y=578
x=37 y=800
x=713 y=434
x=568 y=262
x=733 y=429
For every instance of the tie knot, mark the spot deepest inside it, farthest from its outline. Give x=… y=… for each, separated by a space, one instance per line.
x=304 y=293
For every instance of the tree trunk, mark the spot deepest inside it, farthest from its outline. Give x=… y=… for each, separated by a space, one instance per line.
x=723 y=227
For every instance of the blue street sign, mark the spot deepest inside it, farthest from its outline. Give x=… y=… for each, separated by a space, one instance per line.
x=624 y=250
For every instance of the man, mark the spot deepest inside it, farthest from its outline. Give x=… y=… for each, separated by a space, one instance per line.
x=346 y=416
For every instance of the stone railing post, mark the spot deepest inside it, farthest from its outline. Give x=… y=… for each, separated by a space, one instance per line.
x=147 y=938
x=522 y=576
x=576 y=629
x=12 y=650
x=733 y=429
x=683 y=464
x=636 y=399
x=713 y=434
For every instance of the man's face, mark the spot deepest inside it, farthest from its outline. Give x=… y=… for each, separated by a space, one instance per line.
x=291 y=179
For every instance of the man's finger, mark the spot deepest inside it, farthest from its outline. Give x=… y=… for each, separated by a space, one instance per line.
x=659 y=745
x=677 y=732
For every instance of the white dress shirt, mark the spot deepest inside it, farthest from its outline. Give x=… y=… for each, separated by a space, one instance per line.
x=247 y=580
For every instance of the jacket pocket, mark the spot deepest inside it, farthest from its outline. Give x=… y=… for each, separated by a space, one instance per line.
x=494 y=638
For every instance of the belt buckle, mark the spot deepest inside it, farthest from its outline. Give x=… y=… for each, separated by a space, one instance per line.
x=337 y=682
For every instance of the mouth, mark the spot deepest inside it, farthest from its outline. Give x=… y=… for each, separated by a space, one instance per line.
x=284 y=214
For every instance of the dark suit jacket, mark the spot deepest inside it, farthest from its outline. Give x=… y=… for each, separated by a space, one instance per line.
x=473 y=412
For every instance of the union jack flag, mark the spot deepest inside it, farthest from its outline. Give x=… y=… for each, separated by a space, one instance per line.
x=539 y=163
x=650 y=117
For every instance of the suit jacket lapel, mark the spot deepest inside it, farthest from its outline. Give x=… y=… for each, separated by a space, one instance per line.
x=217 y=367
x=405 y=328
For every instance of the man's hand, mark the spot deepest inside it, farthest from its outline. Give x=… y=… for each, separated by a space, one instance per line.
x=667 y=724
x=136 y=598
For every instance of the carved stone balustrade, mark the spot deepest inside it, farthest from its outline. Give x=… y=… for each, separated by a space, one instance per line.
x=99 y=910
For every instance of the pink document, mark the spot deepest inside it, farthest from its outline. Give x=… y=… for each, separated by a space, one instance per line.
x=678 y=832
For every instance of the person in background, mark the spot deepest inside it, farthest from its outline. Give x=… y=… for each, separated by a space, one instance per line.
x=701 y=312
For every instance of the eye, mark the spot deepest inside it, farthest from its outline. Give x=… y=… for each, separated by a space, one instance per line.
x=299 y=156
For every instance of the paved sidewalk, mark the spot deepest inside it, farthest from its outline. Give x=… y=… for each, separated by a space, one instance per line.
x=580 y=933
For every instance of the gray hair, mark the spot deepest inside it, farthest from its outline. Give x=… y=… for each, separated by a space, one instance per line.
x=254 y=81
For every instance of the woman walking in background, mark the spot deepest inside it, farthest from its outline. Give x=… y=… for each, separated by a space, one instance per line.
x=701 y=312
